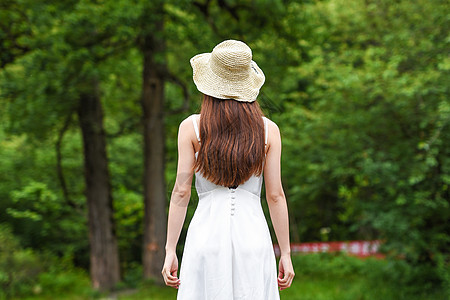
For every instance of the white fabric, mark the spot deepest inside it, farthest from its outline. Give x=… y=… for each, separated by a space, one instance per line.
x=266 y=131
x=194 y=120
x=228 y=253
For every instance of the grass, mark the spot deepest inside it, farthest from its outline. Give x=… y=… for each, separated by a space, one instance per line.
x=152 y=292
x=341 y=277
x=318 y=277
x=332 y=277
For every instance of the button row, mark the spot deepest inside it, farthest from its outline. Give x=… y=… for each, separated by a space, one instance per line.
x=233 y=197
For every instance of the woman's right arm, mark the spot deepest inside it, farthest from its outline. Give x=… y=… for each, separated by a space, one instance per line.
x=179 y=201
x=276 y=201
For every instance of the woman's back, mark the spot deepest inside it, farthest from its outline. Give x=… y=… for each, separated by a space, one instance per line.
x=232 y=144
x=228 y=252
x=252 y=184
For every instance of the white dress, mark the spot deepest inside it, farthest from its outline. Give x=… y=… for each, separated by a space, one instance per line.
x=228 y=253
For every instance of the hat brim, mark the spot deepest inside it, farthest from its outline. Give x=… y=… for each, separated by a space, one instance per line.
x=211 y=84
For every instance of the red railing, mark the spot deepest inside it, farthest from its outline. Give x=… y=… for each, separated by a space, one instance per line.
x=357 y=248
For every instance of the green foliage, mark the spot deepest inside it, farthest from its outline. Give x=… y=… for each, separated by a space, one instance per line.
x=19 y=268
x=366 y=114
x=327 y=276
x=27 y=272
x=129 y=215
x=15 y=29
x=31 y=200
x=64 y=281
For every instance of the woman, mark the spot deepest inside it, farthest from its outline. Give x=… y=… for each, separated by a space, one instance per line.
x=228 y=252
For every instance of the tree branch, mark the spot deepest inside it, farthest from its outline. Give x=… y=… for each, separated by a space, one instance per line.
x=125 y=127
x=186 y=103
x=204 y=10
x=59 y=169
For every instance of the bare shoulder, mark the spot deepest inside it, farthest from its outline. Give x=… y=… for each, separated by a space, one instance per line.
x=186 y=125
x=271 y=123
x=186 y=130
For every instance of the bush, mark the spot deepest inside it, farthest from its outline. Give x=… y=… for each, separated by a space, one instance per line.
x=19 y=268
x=25 y=272
x=370 y=278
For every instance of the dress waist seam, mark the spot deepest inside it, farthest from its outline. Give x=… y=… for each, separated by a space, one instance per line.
x=226 y=189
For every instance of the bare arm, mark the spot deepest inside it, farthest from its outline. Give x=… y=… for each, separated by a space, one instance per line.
x=276 y=201
x=274 y=189
x=179 y=201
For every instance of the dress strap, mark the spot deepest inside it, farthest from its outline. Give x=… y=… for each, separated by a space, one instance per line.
x=194 y=121
x=266 y=131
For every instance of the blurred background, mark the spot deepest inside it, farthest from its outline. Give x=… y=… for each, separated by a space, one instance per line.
x=92 y=94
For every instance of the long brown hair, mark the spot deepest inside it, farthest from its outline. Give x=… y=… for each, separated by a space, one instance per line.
x=232 y=141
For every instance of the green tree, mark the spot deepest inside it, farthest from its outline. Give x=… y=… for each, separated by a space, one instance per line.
x=366 y=112
x=76 y=42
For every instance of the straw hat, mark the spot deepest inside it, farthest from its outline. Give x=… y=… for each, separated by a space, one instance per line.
x=228 y=72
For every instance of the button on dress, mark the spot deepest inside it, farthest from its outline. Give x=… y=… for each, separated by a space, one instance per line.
x=228 y=253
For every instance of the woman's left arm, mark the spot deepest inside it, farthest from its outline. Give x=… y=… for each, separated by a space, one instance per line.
x=178 y=202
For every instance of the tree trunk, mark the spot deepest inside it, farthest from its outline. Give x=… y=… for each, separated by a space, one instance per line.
x=104 y=256
x=155 y=201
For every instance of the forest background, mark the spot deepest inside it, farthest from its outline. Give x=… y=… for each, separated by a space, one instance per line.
x=92 y=94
